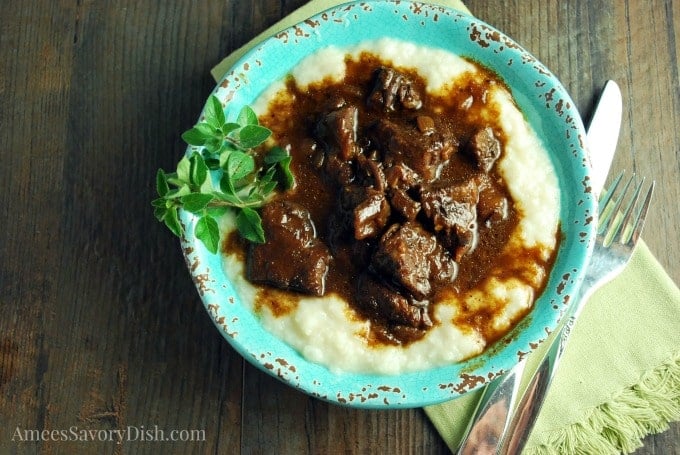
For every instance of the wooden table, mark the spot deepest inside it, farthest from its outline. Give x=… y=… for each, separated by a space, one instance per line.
x=101 y=326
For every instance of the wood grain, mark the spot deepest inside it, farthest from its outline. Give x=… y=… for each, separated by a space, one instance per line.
x=101 y=327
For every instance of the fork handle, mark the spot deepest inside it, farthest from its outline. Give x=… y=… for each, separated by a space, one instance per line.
x=497 y=425
x=512 y=432
x=493 y=413
x=530 y=403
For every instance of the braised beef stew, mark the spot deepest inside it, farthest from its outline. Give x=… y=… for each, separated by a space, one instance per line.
x=397 y=199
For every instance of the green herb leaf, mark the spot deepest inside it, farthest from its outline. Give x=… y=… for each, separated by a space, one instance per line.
x=254 y=198
x=229 y=127
x=214 y=144
x=217 y=212
x=198 y=169
x=239 y=165
x=284 y=174
x=227 y=185
x=159 y=212
x=171 y=220
x=177 y=193
x=231 y=199
x=268 y=176
x=250 y=136
x=196 y=202
x=249 y=225
x=279 y=156
x=207 y=186
x=199 y=134
x=172 y=179
x=212 y=163
x=229 y=146
x=208 y=232
x=275 y=155
x=159 y=202
x=214 y=112
x=268 y=188
x=184 y=170
x=247 y=117
x=162 y=187
x=221 y=152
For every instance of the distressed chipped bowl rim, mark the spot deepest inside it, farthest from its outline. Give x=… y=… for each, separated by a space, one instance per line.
x=547 y=107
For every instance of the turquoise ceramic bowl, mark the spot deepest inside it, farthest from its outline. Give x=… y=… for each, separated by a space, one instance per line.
x=548 y=109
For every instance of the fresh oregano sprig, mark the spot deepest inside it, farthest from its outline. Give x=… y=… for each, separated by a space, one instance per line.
x=221 y=173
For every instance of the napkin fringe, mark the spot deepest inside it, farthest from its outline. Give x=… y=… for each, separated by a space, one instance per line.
x=619 y=425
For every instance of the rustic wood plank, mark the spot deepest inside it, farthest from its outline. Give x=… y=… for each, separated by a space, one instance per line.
x=91 y=280
x=29 y=97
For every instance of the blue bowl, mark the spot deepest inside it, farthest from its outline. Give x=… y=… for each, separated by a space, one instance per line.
x=547 y=107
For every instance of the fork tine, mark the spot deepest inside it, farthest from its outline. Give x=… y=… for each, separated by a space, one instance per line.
x=636 y=220
x=607 y=193
x=611 y=207
x=622 y=219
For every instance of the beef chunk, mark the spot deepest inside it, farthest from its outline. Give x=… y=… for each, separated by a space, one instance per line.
x=373 y=173
x=370 y=216
x=493 y=204
x=404 y=204
x=339 y=170
x=384 y=303
x=425 y=153
x=334 y=102
x=485 y=148
x=413 y=259
x=452 y=209
x=401 y=176
x=364 y=210
x=466 y=241
x=338 y=129
x=392 y=90
x=292 y=257
x=450 y=205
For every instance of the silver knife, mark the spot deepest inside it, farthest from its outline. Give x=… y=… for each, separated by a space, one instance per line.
x=492 y=428
x=603 y=134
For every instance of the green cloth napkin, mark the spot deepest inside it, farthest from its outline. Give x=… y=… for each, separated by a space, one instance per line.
x=619 y=379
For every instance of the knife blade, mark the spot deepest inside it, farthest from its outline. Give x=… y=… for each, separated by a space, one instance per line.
x=602 y=134
x=498 y=424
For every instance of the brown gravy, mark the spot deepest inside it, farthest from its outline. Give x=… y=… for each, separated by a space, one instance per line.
x=292 y=116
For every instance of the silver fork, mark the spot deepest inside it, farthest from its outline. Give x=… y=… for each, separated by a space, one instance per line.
x=619 y=227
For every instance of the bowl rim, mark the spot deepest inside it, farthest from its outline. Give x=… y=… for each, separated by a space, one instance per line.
x=450 y=381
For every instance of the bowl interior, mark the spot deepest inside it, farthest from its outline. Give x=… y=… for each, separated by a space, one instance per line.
x=547 y=107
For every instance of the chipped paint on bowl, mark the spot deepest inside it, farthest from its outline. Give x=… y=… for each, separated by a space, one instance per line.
x=547 y=107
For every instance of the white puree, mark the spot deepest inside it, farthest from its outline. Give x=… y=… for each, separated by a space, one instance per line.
x=320 y=328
